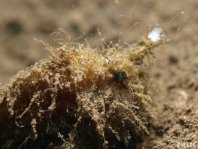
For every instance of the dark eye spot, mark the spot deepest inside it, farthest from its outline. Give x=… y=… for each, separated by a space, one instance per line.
x=120 y=76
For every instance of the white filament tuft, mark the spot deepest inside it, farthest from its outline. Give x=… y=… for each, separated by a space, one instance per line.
x=156 y=35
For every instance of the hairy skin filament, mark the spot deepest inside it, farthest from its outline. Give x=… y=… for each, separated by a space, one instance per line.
x=80 y=97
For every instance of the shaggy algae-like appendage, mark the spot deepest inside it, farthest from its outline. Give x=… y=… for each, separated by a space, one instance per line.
x=79 y=98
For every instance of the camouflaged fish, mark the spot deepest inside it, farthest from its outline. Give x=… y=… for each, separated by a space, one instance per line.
x=79 y=97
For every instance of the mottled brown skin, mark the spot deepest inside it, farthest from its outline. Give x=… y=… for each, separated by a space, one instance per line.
x=69 y=90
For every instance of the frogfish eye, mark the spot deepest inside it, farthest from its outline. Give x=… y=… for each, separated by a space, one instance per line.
x=120 y=76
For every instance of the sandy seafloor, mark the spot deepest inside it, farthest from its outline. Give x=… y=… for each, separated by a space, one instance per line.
x=173 y=73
